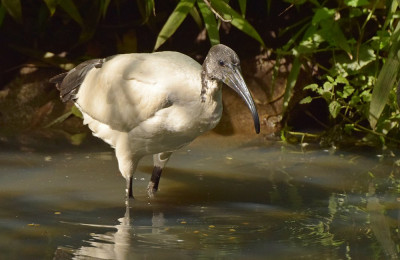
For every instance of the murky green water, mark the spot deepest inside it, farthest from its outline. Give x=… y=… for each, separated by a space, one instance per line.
x=248 y=201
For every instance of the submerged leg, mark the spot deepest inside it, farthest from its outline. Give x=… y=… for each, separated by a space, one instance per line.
x=129 y=190
x=127 y=165
x=160 y=160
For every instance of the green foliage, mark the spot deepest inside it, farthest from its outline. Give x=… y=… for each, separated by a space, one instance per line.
x=220 y=7
x=358 y=82
x=205 y=13
x=174 y=21
x=210 y=22
x=386 y=79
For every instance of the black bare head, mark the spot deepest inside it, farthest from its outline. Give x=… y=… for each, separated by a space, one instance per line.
x=223 y=64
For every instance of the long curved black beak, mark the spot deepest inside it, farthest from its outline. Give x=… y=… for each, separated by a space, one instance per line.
x=235 y=81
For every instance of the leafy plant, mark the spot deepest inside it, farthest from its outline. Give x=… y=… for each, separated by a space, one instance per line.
x=357 y=82
x=205 y=7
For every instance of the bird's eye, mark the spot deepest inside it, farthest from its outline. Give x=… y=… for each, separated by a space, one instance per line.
x=221 y=63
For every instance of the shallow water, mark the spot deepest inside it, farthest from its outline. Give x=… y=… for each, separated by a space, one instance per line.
x=251 y=200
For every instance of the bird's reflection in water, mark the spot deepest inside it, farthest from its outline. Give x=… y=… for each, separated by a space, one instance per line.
x=129 y=241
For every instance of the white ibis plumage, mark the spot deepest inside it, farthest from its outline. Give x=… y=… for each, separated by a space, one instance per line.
x=152 y=103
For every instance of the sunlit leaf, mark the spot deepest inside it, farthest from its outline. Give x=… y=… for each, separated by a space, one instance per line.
x=342 y=80
x=174 y=21
x=327 y=95
x=51 y=5
x=334 y=108
x=236 y=19
x=14 y=8
x=210 y=22
x=291 y=82
x=328 y=86
x=385 y=82
x=322 y=14
x=306 y=100
x=70 y=8
x=356 y=3
x=347 y=91
x=348 y=66
x=312 y=87
x=76 y=112
x=330 y=79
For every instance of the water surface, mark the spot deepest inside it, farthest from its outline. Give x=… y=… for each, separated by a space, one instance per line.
x=218 y=198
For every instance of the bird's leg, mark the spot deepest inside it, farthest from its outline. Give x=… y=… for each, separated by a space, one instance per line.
x=160 y=160
x=127 y=164
x=154 y=180
x=129 y=190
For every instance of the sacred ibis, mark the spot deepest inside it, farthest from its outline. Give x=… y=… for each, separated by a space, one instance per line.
x=152 y=103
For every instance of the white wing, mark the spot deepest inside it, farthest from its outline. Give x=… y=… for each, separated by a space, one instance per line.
x=130 y=88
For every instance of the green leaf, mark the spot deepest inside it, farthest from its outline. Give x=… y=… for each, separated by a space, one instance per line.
x=76 y=112
x=291 y=82
x=306 y=100
x=312 y=87
x=342 y=80
x=328 y=86
x=51 y=5
x=77 y=139
x=330 y=78
x=347 y=91
x=334 y=108
x=366 y=55
x=385 y=82
x=106 y=3
x=332 y=33
x=322 y=14
x=242 y=5
x=356 y=3
x=174 y=21
x=236 y=19
x=327 y=95
x=348 y=128
x=210 y=23
x=14 y=8
x=146 y=9
x=70 y=8
x=59 y=119
x=196 y=17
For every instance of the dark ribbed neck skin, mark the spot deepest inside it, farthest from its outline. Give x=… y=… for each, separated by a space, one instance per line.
x=205 y=78
x=203 y=86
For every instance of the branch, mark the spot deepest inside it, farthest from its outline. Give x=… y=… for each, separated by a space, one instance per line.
x=216 y=13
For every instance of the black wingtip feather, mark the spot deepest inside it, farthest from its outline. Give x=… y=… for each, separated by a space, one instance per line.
x=68 y=83
x=58 y=79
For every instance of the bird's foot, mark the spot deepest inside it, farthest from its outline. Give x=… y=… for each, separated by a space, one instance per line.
x=151 y=189
x=129 y=196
